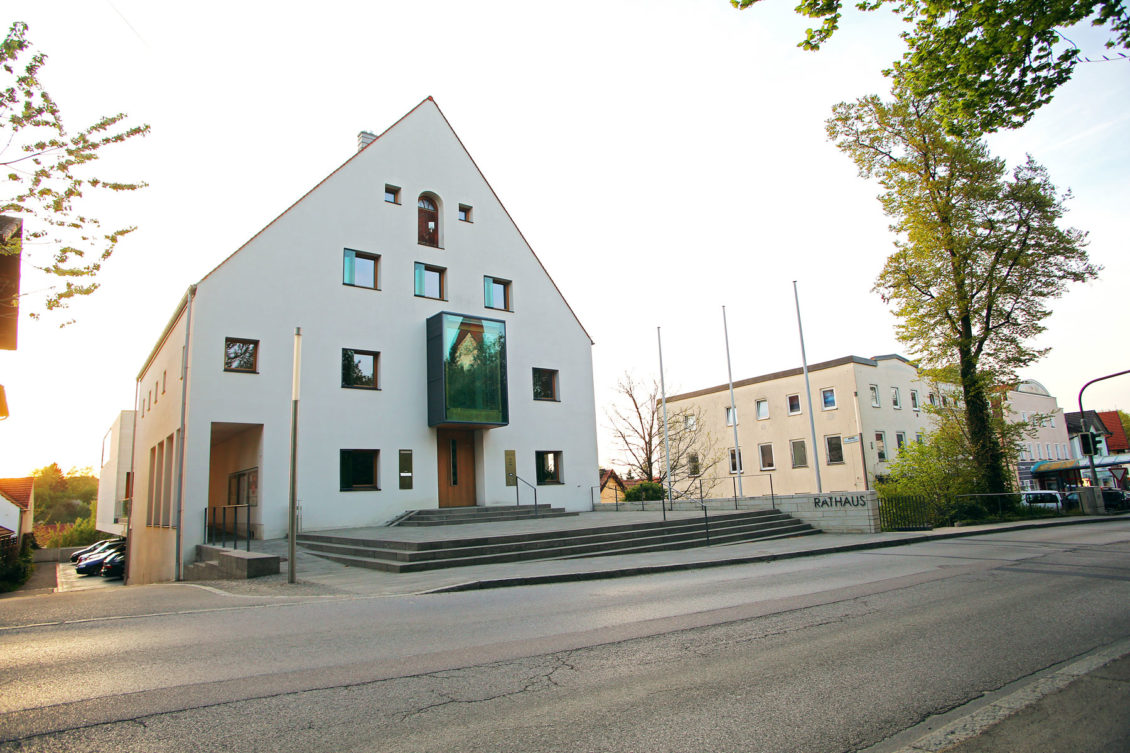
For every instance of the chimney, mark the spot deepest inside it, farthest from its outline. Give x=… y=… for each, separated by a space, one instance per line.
x=364 y=139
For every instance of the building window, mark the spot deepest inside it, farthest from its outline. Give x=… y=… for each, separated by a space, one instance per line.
x=835 y=449
x=360 y=269
x=794 y=404
x=765 y=452
x=430 y=281
x=545 y=384
x=875 y=395
x=405 y=469
x=690 y=422
x=896 y=399
x=914 y=400
x=241 y=355
x=900 y=439
x=762 y=409
x=828 y=398
x=548 y=464
x=694 y=467
x=735 y=461
x=464 y=213
x=163 y=375
x=1051 y=419
x=799 y=453
x=392 y=194
x=359 y=368
x=496 y=293
x=881 y=445
x=359 y=470
x=933 y=400
x=920 y=438
x=428 y=217
x=731 y=415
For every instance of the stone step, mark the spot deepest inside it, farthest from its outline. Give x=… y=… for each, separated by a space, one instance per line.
x=464 y=515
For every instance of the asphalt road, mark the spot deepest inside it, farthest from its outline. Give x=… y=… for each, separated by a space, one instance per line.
x=831 y=653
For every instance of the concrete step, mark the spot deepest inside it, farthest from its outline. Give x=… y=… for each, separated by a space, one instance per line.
x=206 y=570
x=463 y=515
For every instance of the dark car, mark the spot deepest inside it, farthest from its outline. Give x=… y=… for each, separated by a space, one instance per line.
x=97 y=546
x=1113 y=499
x=91 y=564
x=114 y=566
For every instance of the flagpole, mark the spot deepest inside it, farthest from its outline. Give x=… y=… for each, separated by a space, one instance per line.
x=808 y=393
x=733 y=408
x=292 y=565
x=666 y=444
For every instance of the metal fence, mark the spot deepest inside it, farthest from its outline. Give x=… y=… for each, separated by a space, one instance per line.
x=222 y=524
x=909 y=513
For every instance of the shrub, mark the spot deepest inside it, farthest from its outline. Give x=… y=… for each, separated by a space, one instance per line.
x=645 y=491
x=15 y=571
x=79 y=533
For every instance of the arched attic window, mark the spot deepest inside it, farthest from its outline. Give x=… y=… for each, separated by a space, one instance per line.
x=428 y=220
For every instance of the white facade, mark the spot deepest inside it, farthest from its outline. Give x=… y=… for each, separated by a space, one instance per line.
x=230 y=428
x=864 y=410
x=1031 y=403
x=10 y=514
x=114 y=477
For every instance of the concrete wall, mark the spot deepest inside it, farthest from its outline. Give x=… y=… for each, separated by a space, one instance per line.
x=113 y=477
x=843 y=512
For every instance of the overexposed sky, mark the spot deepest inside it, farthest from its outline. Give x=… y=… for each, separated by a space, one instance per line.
x=663 y=158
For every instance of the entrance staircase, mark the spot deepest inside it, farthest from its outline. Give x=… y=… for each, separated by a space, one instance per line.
x=450 y=516
x=398 y=556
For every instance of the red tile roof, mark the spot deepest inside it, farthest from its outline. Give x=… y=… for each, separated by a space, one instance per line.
x=1116 y=442
x=18 y=490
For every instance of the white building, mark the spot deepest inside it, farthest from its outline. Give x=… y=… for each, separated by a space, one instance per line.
x=864 y=411
x=115 y=477
x=438 y=361
x=1030 y=402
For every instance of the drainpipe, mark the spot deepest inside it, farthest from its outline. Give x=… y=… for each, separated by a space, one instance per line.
x=183 y=434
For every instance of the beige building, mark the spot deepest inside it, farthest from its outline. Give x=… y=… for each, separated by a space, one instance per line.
x=864 y=410
x=1030 y=402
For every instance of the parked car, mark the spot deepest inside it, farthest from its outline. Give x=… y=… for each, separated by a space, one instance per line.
x=91 y=564
x=1115 y=499
x=1043 y=498
x=97 y=546
x=114 y=566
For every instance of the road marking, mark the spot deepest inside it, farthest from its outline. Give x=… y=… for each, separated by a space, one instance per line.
x=980 y=720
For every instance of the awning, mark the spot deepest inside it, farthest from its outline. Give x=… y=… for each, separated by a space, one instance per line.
x=1101 y=461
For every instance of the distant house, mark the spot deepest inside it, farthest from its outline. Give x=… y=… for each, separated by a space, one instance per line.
x=17 y=505
x=1116 y=441
x=612 y=487
x=1030 y=402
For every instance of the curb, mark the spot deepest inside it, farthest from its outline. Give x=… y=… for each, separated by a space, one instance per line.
x=625 y=572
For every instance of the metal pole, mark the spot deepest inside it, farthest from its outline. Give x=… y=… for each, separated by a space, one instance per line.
x=808 y=393
x=733 y=409
x=1094 y=474
x=666 y=443
x=292 y=564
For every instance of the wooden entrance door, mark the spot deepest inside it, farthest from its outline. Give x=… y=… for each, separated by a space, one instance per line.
x=456 y=452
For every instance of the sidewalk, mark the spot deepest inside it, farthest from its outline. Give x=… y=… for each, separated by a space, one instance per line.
x=321 y=576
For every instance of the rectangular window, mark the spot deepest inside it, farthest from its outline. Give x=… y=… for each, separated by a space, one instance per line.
x=835 y=449
x=466 y=370
x=405 y=469
x=156 y=393
x=799 y=453
x=828 y=398
x=496 y=293
x=896 y=399
x=359 y=470
x=545 y=384
x=794 y=404
x=762 y=409
x=359 y=369
x=430 y=281
x=548 y=464
x=900 y=439
x=914 y=400
x=875 y=395
x=694 y=467
x=464 y=213
x=731 y=416
x=1051 y=420
x=241 y=355
x=163 y=375
x=360 y=269
x=765 y=452
x=931 y=397
x=392 y=194
x=920 y=438
x=881 y=445
x=735 y=461
x=690 y=422
x=1023 y=456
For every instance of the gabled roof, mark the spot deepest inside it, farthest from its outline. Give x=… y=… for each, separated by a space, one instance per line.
x=18 y=490
x=609 y=474
x=1075 y=422
x=1116 y=440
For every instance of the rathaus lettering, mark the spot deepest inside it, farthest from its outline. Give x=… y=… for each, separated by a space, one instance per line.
x=855 y=500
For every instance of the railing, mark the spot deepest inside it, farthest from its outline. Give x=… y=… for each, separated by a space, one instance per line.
x=905 y=513
x=218 y=530
x=518 y=492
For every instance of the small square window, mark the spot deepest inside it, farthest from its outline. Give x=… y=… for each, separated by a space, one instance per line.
x=766 y=453
x=835 y=448
x=464 y=213
x=690 y=422
x=735 y=461
x=360 y=269
x=799 y=453
x=496 y=293
x=896 y=399
x=241 y=355
x=359 y=470
x=392 y=194
x=548 y=464
x=875 y=395
x=430 y=281
x=828 y=398
x=794 y=404
x=762 y=410
x=545 y=384
x=359 y=369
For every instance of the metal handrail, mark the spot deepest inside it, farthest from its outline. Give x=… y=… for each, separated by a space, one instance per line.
x=518 y=489
x=210 y=527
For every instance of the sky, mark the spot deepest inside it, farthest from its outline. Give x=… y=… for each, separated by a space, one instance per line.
x=664 y=158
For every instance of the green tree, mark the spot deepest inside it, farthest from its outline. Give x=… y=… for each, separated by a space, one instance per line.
x=64 y=497
x=979 y=256
x=990 y=65
x=48 y=173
